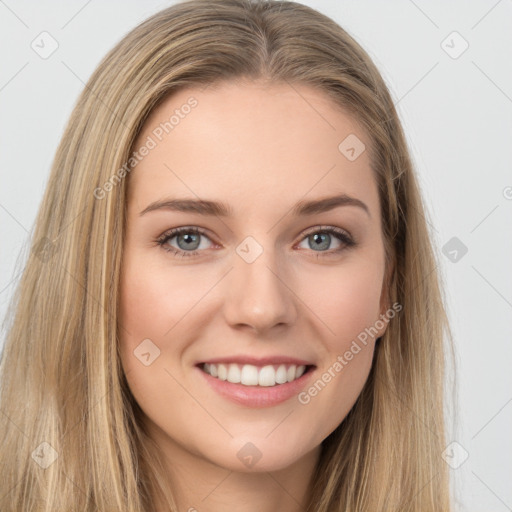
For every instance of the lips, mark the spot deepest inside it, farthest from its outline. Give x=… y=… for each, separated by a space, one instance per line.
x=253 y=394
x=253 y=375
x=256 y=381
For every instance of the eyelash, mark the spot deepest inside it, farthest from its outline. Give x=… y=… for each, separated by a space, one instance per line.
x=340 y=234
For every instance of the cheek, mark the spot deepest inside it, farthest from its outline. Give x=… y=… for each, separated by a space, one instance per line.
x=141 y=304
x=349 y=305
x=153 y=302
x=148 y=309
x=347 y=300
x=156 y=305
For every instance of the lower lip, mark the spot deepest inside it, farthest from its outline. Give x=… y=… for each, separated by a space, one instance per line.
x=257 y=396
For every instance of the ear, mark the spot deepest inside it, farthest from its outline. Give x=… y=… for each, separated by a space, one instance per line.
x=385 y=298
x=385 y=301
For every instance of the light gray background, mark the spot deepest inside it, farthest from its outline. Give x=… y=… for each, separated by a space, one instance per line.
x=457 y=113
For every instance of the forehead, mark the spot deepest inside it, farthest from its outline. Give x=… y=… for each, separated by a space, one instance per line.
x=252 y=144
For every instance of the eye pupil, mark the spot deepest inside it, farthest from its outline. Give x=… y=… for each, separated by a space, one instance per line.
x=319 y=241
x=188 y=238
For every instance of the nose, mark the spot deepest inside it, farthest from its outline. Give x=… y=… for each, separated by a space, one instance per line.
x=259 y=294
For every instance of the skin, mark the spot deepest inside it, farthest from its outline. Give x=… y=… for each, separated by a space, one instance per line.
x=260 y=148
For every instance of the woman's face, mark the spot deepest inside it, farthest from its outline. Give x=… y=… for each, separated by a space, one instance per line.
x=274 y=280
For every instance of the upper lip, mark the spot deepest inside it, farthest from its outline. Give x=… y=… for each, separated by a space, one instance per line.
x=258 y=361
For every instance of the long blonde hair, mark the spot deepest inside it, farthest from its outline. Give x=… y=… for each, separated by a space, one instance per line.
x=71 y=434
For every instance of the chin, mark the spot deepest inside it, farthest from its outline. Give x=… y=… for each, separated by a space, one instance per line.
x=261 y=455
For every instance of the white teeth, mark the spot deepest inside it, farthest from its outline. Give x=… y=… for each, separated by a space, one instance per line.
x=267 y=376
x=222 y=372
x=281 y=375
x=233 y=374
x=250 y=375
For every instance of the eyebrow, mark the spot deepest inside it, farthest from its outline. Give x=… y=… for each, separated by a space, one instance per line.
x=214 y=208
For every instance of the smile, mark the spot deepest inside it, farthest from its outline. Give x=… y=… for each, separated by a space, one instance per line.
x=251 y=375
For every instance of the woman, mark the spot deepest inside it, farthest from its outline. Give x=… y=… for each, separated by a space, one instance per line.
x=177 y=344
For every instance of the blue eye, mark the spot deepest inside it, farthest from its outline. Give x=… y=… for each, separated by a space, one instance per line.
x=189 y=240
x=322 y=238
